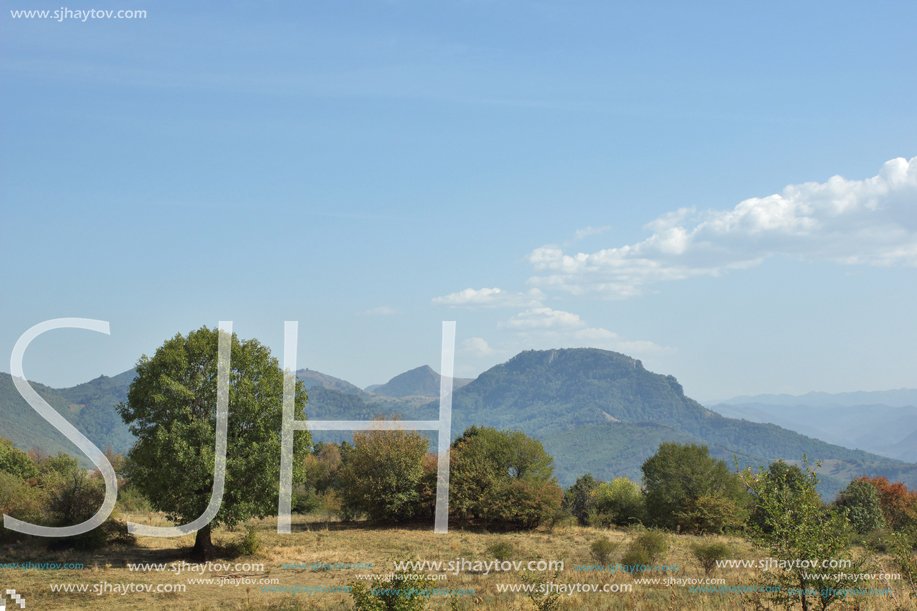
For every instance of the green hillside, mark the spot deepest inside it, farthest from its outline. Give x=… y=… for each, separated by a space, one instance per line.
x=90 y=407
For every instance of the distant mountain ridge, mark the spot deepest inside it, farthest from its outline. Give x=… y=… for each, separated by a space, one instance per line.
x=419 y=382
x=894 y=398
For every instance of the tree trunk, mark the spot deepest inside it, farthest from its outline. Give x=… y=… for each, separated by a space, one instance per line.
x=203 y=548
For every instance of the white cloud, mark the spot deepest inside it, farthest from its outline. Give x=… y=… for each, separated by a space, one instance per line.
x=491 y=298
x=589 y=231
x=849 y=222
x=476 y=347
x=380 y=311
x=543 y=318
x=556 y=328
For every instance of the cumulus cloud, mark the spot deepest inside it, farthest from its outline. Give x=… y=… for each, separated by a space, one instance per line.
x=849 y=222
x=476 y=347
x=491 y=298
x=565 y=329
x=380 y=311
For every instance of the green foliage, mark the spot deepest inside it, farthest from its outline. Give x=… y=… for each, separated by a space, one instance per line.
x=20 y=500
x=602 y=549
x=797 y=526
x=382 y=477
x=677 y=476
x=402 y=593
x=648 y=548
x=520 y=504
x=708 y=554
x=576 y=497
x=713 y=513
x=249 y=544
x=503 y=478
x=654 y=543
x=618 y=502
x=859 y=502
x=16 y=462
x=902 y=549
x=501 y=550
x=171 y=408
x=75 y=498
x=61 y=464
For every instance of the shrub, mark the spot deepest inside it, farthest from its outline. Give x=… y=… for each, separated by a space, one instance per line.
x=636 y=561
x=248 y=545
x=713 y=513
x=708 y=554
x=520 y=503
x=402 y=593
x=541 y=596
x=797 y=525
x=899 y=505
x=19 y=500
x=654 y=542
x=74 y=499
x=618 y=502
x=16 y=462
x=602 y=549
x=860 y=503
x=501 y=550
x=382 y=476
x=131 y=499
x=504 y=478
x=647 y=549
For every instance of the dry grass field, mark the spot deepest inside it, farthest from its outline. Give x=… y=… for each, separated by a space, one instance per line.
x=315 y=541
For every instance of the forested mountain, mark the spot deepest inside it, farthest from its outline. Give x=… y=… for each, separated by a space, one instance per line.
x=90 y=407
x=594 y=410
x=585 y=404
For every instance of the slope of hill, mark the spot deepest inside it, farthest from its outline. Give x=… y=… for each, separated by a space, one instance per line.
x=880 y=429
x=312 y=379
x=90 y=407
x=419 y=382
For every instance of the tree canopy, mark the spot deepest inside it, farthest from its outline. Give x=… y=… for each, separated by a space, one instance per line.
x=171 y=408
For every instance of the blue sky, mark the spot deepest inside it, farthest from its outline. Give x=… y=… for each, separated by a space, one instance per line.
x=726 y=191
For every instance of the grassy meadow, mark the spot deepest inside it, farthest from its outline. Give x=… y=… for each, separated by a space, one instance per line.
x=316 y=540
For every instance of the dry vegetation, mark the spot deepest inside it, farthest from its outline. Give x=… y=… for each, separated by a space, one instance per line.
x=314 y=541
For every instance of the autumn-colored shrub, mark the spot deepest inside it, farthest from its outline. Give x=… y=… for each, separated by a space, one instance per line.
x=899 y=505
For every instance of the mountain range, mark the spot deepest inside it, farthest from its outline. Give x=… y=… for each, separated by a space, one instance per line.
x=594 y=410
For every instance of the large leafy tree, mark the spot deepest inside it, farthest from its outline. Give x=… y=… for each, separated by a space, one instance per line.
x=171 y=408
x=679 y=478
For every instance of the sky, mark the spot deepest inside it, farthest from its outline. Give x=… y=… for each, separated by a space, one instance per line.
x=726 y=191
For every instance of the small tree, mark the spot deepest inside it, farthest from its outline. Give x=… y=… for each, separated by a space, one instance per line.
x=171 y=409
x=859 y=502
x=708 y=554
x=796 y=526
x=576 y=497
x=382 y=477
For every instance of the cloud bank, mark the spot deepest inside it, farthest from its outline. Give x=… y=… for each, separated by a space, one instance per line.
x=849 y=222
